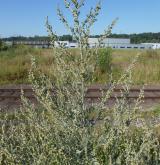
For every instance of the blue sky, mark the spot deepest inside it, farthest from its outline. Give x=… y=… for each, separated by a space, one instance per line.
x=27 y=17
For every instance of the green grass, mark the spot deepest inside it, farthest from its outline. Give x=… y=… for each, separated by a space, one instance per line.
x=15 y=64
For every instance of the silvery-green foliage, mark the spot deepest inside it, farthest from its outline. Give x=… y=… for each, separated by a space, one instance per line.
x=63 y=130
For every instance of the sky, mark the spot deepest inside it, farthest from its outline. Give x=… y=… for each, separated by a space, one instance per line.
x=27 y=17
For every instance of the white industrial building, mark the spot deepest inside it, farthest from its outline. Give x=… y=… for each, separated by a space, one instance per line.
x=66 y=44
x=115 y=43
x=94 y=41
x=153 y=45
x=118 y=43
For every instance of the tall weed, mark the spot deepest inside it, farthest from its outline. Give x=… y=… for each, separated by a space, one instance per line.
x=62 y=131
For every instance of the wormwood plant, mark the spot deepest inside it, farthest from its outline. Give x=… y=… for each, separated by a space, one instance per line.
x=67 y=128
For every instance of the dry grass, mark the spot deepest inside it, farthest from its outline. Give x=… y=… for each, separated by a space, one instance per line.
x=147 y=69
x=15 y=64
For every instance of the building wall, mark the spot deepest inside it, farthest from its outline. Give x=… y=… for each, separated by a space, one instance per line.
x=118 y=43
x=156 y=46
x=153 y=45
x=128 y=46
x=110 y=41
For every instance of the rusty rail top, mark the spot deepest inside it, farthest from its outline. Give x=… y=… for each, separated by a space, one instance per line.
x=94 y=91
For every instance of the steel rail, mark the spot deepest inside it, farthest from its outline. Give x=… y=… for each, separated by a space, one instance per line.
x=93 y=92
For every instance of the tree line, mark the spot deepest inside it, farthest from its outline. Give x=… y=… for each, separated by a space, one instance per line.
x=37 y=38
x=135 y=38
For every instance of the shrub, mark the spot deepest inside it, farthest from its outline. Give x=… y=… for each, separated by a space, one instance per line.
x=64 y=130
x=105 y=60
x=0 y=43
x=3 y=46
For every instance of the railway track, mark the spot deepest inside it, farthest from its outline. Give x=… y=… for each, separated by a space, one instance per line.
x=10 y=96
x=92 y=92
